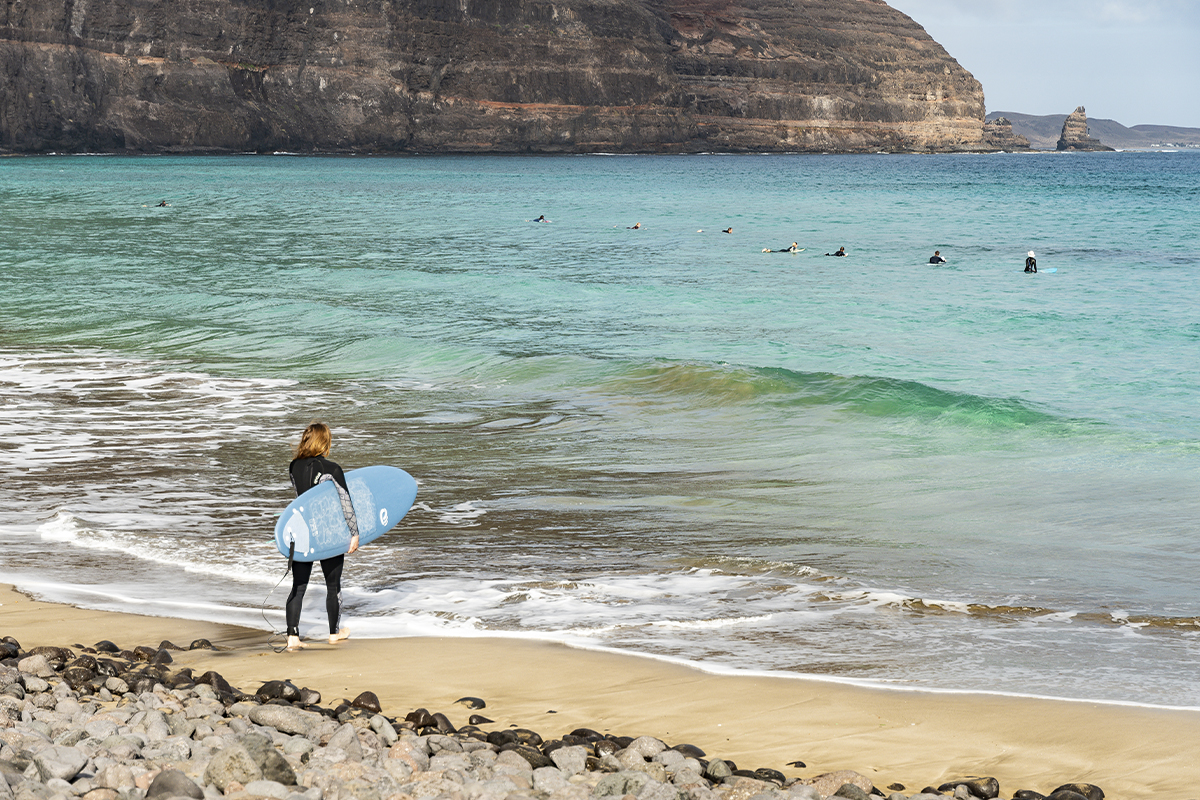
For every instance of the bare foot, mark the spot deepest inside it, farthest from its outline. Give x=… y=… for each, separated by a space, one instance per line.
x=294 y=644
x=344 y=633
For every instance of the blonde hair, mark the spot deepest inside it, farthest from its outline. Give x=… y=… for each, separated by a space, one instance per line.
x=315 y=441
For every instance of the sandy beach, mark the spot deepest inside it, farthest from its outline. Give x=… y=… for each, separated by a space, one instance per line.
x=914 y=738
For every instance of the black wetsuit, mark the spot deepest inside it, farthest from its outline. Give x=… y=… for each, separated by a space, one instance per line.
x=1030 y=264
x=936 y=260
x=307 y=473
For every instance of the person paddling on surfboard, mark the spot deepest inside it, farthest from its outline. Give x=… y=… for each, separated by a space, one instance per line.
x=310 y=467
x=936 y=258
x=795 y=248
x=1030 y=262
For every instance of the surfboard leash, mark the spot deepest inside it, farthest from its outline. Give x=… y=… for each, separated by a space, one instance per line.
x=274 y=636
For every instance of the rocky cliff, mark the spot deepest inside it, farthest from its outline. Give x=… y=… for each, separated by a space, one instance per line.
x=998 y=133
x=1075 y=133
x=478 y=76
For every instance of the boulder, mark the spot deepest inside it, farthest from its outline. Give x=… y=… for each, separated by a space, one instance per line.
x=58 y=761
x=173 y=783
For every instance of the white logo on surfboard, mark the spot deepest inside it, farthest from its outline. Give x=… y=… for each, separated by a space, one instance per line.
x=383 y=517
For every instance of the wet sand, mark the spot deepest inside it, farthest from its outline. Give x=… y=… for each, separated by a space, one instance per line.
x=915 y=738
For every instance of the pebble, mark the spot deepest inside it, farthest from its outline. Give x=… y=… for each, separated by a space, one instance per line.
x=105 y=723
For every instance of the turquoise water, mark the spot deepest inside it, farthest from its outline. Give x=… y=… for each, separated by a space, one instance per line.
x=662 y=440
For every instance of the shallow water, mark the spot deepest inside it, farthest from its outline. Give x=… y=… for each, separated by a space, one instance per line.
x=662 y=440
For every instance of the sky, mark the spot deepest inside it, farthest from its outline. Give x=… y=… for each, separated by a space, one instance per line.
x=1133 y=61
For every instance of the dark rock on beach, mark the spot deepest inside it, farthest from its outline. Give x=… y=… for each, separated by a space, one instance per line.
x=473 y=703
x=1087 y=790
x=983 y=788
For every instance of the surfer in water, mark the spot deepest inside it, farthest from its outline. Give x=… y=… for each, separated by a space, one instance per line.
x=795 y=248
x=936 y=258
x=310 y=467
x=1030 y=262
x=841 y=251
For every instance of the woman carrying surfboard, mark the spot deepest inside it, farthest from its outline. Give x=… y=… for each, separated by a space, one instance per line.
x=311 y=467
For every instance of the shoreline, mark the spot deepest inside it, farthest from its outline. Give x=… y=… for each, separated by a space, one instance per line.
x=908 y=736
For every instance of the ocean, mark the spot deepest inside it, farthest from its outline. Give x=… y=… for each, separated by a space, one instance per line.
x=658 y=440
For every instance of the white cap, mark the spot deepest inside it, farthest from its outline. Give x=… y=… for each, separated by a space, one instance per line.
x=1031 y=254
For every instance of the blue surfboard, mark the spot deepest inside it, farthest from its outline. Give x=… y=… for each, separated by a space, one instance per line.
x=314 y=521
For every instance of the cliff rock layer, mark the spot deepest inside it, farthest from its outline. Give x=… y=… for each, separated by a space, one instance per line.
x=478 y=76
x=1075 y=133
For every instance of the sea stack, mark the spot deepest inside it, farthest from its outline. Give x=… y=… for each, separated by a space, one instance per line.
x=1075 y=134
x=999 y=134
x=480 y=76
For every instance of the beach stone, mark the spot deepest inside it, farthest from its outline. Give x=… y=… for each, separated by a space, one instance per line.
x=9 y=675
x=57 y=761
x=35 y=684
x=473 y=703
x=36 y=665
x=746 y=788
x=368 y=701
x=1028 y=794
x=770 y=775
x=851 y=792
x=385 y=729
x=802 y=791
x=10 y=709
x=828 y=783
x=571 y=760
x=549 y=780
x=71 y=737
x=286 y=719
x=647 y=746
x=264 y=788
x=345 y=741
x=173 y=783
x=298 y=746
x=439 y=743
x=411 y=753
x=622 y=783
x=630 y=759
x=270 y=761
x=232 y=764
x=282 y=690
x=984 y=788
x=687 y=776
x=114 y=776
x=671 y=759
x=116 y=685
x=1066 y=794
x=1088 y=790
x=533 y=757
x=718 y=770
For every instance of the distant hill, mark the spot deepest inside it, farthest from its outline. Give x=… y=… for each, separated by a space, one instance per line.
x=1043 y=132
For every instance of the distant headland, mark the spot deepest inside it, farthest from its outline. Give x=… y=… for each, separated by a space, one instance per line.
x=1045 y=132
x=481 y=76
